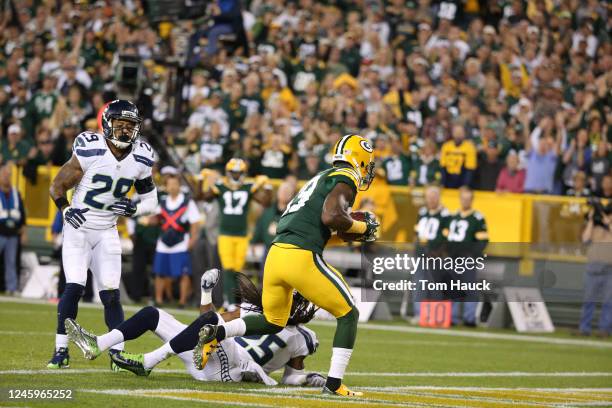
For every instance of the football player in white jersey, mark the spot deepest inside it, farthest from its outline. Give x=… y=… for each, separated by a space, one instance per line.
x=238 y=359
x=102 y=169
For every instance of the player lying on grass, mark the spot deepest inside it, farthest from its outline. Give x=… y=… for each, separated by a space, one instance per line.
x=241 y=359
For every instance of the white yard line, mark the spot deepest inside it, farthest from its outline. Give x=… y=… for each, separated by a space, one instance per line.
x=71 y=371
x=475 y=334
x=380 y=327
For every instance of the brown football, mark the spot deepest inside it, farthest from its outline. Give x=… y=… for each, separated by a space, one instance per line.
x=357 y=216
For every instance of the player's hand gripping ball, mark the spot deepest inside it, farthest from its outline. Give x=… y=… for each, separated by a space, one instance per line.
x=371 y=232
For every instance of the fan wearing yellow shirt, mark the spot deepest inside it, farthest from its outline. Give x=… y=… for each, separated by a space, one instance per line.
x=457 y=160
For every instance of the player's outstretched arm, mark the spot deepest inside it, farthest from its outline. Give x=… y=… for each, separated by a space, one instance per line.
x=68 y=176
x=208 y=281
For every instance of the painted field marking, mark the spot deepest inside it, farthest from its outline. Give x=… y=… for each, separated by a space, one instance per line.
x=475 y=397
x=374 y=326
x=502 y=374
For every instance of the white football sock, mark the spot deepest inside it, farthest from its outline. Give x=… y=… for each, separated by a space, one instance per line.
x=206 y=298
x=236 y=327
x=110 y=339
x=157 y=356
x=339 y=361
x=61 y=340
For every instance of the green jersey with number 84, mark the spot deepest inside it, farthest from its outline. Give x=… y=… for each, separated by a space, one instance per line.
x=301 y=223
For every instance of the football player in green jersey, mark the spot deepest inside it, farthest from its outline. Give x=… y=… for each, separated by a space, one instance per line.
x=234 y=196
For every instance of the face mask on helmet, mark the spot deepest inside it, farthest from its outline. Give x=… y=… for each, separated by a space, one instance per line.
x=124 y=132
x=235 y=177
x=367 y=179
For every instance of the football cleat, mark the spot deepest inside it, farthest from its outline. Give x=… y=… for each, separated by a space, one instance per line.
x=130 y=362
x=207 y=344
x=60 y=359
x=86 y=341
x=342 y=391
x=114 y=367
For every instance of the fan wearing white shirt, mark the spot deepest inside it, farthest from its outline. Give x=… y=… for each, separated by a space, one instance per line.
x=180 y=222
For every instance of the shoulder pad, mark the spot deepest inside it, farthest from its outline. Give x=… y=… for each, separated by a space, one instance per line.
x=347 y=172
x=422 y=210
x=444 y=212
x=87 y=139
x=89 y=144
x=478 y=215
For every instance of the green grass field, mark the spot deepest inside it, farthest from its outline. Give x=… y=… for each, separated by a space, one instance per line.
x=394 y=364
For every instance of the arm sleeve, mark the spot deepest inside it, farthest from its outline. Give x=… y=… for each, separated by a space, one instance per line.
x=145 y=185
x=147 y=204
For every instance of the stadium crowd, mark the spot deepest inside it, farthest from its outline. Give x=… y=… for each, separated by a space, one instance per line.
x=500 y=95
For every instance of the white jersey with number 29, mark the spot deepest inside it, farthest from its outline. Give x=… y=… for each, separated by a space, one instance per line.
x=106 y=179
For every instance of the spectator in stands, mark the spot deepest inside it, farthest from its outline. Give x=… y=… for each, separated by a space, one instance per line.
x=397 y=165
x=580 y=186
x=598 y=276
x=12 y=222
x=275 y=159
x=600 y=166
x=576 y=158
x=15 y=149
x=606 y=186
x=489 y=167
x=39 y=155
x=542 y=152
x=425 y=170
x=62 y=148
x=211 y=147
x=457 y=160
x=312 y=165
x=511 y=178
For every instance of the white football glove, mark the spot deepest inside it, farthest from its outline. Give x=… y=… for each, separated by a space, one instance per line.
x=315 y=380
x=210 y=279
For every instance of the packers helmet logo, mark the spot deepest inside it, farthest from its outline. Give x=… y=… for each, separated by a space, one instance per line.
x=366 y=146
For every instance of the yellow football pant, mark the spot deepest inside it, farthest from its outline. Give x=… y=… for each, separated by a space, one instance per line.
x=289 y=267
x=232 y=251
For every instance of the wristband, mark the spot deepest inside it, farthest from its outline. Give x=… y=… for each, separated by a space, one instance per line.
x=61 y=202
x=358 y=227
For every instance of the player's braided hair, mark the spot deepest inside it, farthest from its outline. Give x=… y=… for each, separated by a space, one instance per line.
x=302 y=311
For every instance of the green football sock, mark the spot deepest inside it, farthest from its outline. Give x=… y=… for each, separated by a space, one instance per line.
x=257 y=324
x=229 y=286
x=346 y=330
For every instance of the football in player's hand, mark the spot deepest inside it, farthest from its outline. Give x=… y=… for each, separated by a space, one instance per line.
x=346 y=236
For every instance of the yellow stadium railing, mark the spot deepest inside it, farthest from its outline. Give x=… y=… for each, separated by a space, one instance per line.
x=511 y=218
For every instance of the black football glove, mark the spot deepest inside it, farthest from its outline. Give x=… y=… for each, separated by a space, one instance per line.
x=372 y=225
x=74 y=216
x=124 y=207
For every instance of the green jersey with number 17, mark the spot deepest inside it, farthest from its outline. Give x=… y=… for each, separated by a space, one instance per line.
x=301 y=223
x=234 y=207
